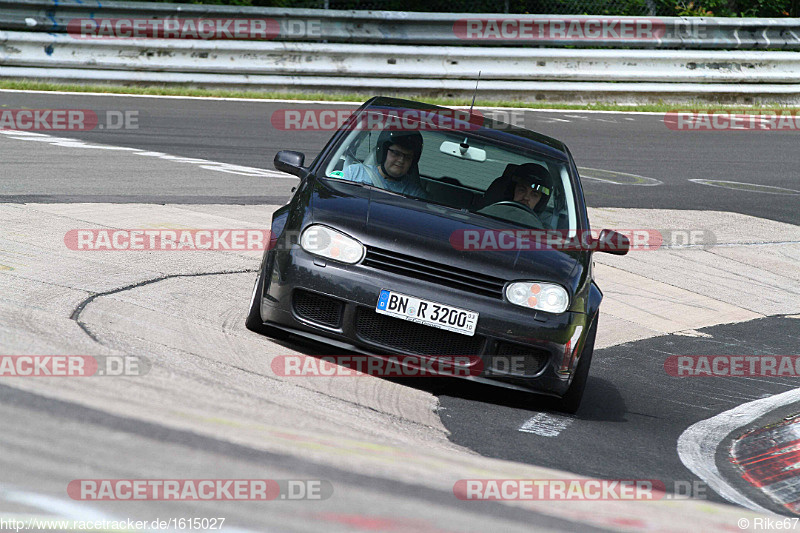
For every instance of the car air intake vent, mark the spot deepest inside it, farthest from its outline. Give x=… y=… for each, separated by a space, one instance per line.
x=441 y=274
x=318 y=308
x=404 y=336
x=517 y=359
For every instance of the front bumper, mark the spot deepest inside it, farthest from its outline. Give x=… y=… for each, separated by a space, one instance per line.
x=335 y=303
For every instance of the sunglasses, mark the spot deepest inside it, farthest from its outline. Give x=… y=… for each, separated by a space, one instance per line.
x=536 y=187
x=401 y=155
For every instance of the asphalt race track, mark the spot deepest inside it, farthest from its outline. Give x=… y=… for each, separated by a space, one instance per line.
x=242 y=133
x=212 y=408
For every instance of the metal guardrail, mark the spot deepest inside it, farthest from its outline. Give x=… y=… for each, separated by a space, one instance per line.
x=348 y=61
x=393 y=27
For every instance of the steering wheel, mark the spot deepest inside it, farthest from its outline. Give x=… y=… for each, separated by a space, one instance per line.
x=509 y=203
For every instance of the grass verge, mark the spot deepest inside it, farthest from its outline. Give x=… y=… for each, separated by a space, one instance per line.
x=660 y=107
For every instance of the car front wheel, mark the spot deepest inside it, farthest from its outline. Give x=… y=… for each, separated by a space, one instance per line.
x=254 y=321
x=571 y=401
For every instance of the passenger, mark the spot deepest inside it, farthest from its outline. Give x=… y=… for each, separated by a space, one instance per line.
x=397 y=154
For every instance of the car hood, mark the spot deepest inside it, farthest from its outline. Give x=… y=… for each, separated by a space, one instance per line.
x=424 y=230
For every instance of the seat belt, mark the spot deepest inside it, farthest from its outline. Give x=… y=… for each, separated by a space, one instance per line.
x=377 y=178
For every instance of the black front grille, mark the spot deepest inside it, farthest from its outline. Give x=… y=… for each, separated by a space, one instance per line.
x=318 y=308
x=402 y=335
x=439 y=273
x=517 y=359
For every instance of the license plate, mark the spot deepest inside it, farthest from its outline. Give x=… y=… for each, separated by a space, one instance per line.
x=426 y=312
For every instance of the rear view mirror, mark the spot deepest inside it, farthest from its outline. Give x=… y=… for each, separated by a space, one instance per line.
x=463 y=151
x=291 y=162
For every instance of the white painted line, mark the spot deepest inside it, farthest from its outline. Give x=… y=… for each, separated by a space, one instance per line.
x=746 y=187
x=546 y=425
x=57 y=506
x=202 y=163
x=616 y=178
x=554 y=119
x=697 y=446
x=588 y=111
x=692 y=333
x=22 y=133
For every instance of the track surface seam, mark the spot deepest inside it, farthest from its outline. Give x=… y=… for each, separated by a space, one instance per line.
x=76 y=313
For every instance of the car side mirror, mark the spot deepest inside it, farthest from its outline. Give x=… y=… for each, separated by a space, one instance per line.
x=612 y=242
x=291 y=162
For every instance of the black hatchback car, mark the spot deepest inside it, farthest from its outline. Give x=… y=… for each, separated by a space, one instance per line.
x=434 y=232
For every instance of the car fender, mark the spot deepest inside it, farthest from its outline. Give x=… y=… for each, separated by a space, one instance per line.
x=594 y=299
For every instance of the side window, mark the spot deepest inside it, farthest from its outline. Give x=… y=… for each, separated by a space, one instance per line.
x=365 y=151
x=357 y=148
x=555 y=210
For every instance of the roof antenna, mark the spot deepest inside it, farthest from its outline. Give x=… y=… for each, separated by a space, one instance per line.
x=464 y=146
x=475 y=93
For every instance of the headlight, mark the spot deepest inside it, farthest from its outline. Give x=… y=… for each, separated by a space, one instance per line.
x=327 y=242
x=537 y=295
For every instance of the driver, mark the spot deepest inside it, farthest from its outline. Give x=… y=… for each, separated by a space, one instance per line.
x=532 y=186
x=397 y=154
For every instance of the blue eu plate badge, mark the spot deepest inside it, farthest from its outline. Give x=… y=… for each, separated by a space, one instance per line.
x=384 y=298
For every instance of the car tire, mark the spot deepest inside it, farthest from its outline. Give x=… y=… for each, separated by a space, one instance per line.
x=571 y=401
x=254 y=321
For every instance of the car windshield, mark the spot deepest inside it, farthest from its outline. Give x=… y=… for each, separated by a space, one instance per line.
x=460 y=169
